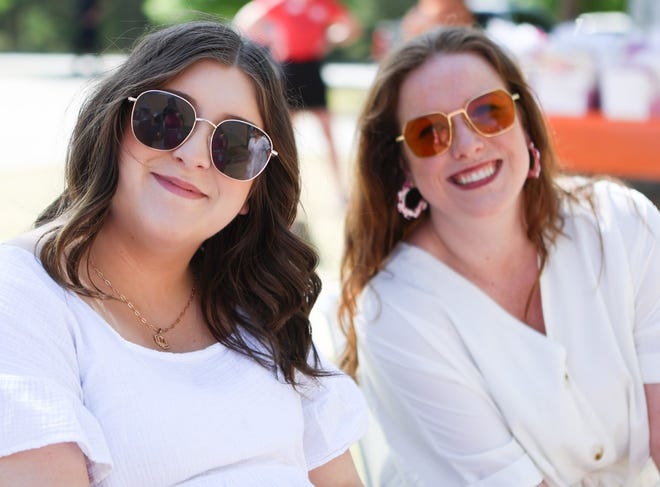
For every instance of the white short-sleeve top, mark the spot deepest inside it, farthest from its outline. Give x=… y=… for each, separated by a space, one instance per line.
x=148 y=418
x=468 y=395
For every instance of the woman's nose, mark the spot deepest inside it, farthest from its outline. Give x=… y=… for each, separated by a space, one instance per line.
x=195 y=150
x=465 y=139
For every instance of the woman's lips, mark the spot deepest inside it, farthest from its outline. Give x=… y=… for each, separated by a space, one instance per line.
x=179 y=187
x=477 y=176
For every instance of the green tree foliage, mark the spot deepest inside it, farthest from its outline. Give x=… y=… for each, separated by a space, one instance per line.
x=570 y=8
x=170 y=11
x=47 y=25
x=28 y=25
x=122 y=22
x=51 y=26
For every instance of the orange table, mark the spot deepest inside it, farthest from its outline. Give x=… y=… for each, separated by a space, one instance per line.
x=595 y=144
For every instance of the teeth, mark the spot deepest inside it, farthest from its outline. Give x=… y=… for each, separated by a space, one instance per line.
x=478 y=175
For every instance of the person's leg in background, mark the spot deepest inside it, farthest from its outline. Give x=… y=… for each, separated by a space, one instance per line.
x=308 y=92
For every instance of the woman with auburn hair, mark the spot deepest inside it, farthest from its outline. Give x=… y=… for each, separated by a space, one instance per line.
x=154 y=326
x=505 y=317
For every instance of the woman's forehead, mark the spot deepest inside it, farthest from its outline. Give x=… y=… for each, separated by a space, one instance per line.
x=445 y=82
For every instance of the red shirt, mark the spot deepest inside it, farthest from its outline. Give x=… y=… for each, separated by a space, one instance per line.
x=299 y=27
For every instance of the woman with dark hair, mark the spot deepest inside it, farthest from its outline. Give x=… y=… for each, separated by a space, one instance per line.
x=154 y=325
x=505 y=317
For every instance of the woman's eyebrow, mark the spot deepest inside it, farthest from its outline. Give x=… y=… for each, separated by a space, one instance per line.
x=223 y=116
x=183 y=95
x=233 y=116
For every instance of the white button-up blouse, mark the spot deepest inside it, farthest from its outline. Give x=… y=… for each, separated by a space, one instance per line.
x=468 y=395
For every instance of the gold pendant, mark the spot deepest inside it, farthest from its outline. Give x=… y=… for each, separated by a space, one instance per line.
x=161 y=341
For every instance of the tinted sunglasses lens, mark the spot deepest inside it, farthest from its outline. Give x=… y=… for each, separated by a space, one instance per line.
x=240 y=150
x=492 y=113
x=162 y=120
x=428 y=135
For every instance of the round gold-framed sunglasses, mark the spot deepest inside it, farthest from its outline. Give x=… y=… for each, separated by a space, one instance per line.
x=164 y=121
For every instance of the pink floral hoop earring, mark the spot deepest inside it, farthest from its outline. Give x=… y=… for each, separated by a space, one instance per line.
x=535 y=161
x=410 y=202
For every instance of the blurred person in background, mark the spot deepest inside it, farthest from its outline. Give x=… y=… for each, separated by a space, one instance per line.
x=299 y=34
x=86 y=44
x=503 y=318
x=428 y=14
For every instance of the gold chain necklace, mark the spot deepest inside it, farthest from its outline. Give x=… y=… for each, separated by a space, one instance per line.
x=159 y=335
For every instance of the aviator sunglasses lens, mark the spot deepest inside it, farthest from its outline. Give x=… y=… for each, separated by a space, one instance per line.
x=240 y=150
x=162 y=120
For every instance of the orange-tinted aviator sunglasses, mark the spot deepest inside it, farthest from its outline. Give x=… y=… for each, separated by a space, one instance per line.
x=490 y=114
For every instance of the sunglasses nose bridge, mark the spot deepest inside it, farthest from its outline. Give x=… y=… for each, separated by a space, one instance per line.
x=460 y=111
x=450 y=123
x=199 y=119
x=209 y=136
x=463 y=137
x=191 y=143
x=466 y=118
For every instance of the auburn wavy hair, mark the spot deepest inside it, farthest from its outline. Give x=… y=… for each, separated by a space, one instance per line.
x=373 y=226
x=255 y=274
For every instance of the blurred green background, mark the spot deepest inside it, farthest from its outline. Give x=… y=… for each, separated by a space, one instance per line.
x=47 y=26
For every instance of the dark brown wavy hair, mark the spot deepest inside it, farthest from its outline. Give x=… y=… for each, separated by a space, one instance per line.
x=373 y=225
x=255 y=274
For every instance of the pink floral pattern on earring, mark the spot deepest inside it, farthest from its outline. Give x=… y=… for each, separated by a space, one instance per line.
x=410 y=202
x=535 y=168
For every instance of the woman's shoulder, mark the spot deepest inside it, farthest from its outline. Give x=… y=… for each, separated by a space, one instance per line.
x=408 y=290
x=31 y=241
x=22 y=273
x=408 y=267
x=35 y=311
x=18 y=260
x=408 y=270
x=603 y=197
x=605 y=209
x=28 y=241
